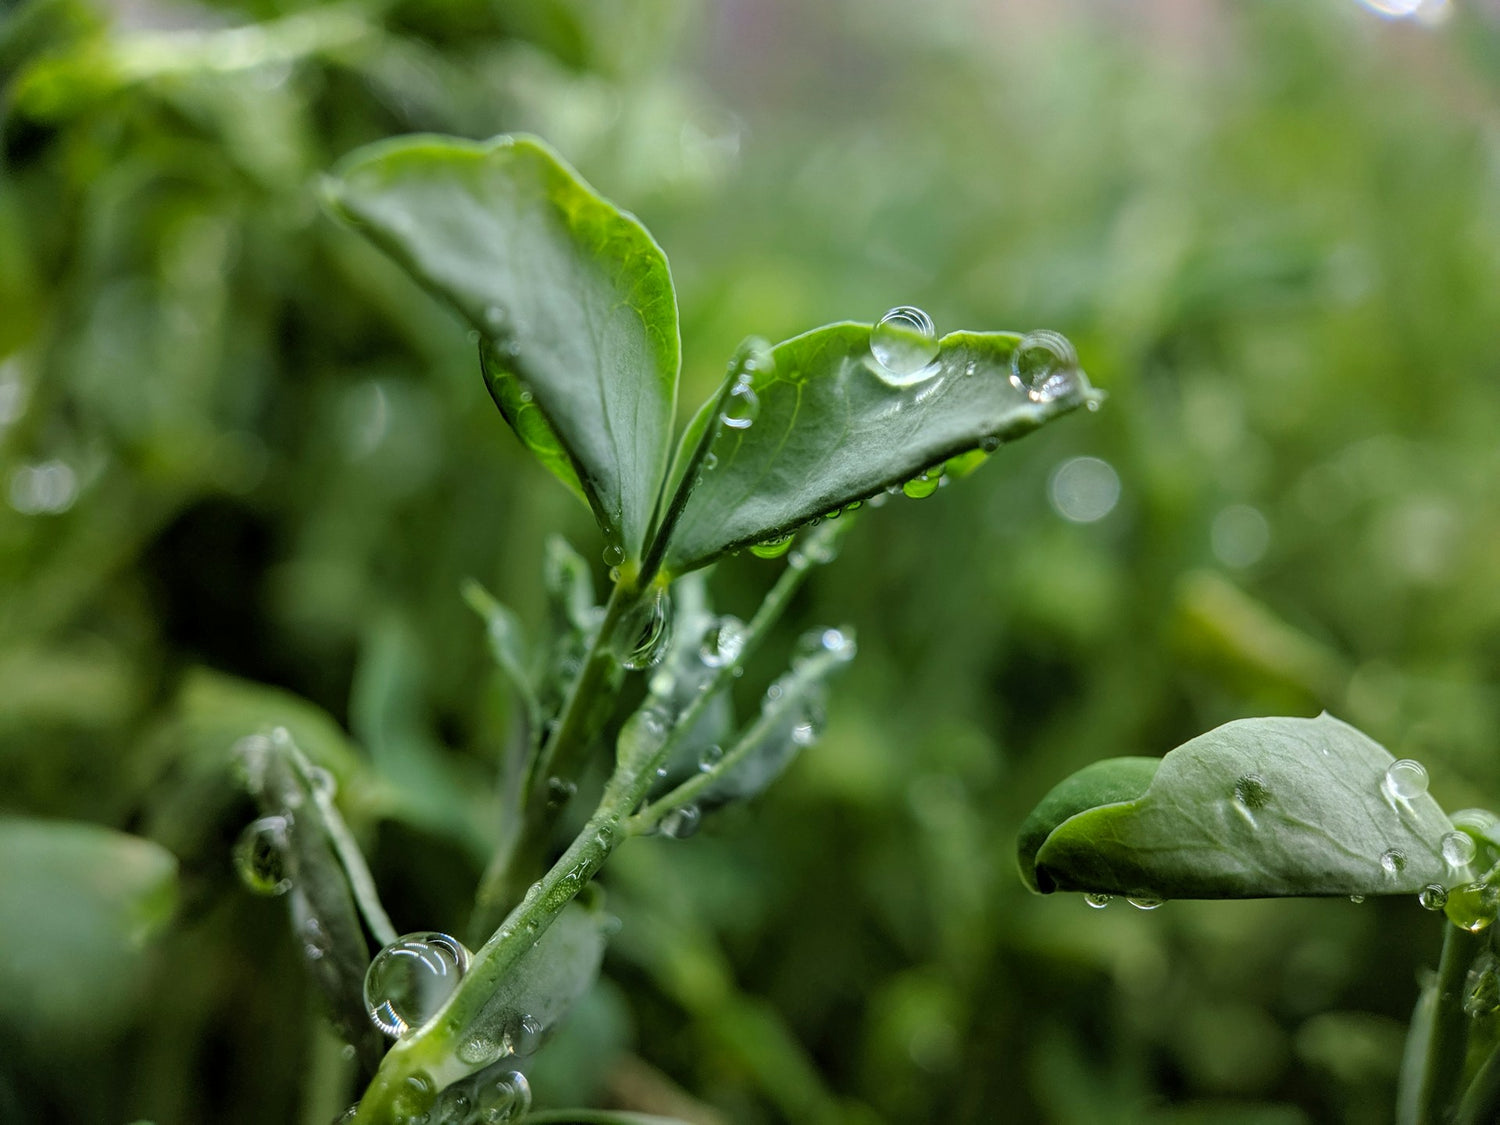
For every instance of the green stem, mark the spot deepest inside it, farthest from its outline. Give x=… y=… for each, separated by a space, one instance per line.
x=560 y=755
x=1481 y=1101
x=1447 y=1046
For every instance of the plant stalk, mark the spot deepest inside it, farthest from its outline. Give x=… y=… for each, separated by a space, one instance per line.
x=1447 y=1045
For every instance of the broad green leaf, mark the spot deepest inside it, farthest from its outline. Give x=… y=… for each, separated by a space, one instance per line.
x=572 y=296
x=828 y=429
x=1100 y=783
x=78 y=904
x=1258 y=808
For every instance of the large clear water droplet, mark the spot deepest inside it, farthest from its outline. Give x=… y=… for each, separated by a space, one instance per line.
x=1044 y=365
x=1143 y=903
x=1098 y=901
x=1392 y=862
x=644 y=634
x=1458 y=849
x=741 y=405
x=904 y=344
x=614 y=555
x=413 y=1101
x=1434 y=896
x=506 y=1097
x=1406 y=779
x=260 y=855
x=411 y=979
x=723 y=642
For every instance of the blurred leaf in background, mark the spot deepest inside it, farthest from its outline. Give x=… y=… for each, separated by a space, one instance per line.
x=244 y=462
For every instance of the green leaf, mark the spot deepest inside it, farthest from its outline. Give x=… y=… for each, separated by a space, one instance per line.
x=77 y=905
x=1258 y=808
x=324 y=920
x=572 y=296
x=508 y=646
x=829 y=430
x=1101 y=783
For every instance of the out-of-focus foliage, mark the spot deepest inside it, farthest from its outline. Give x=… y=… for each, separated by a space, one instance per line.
x=239 y=451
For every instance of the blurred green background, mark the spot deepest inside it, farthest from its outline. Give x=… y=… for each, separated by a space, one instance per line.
x=245 y=465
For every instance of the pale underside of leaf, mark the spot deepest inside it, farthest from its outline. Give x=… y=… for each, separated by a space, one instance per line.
x=830 y=430
x=1257 y=808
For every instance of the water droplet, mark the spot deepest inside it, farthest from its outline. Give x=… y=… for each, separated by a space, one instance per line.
x=710 y=462
x=772 y=548
x=1044 y=365
x=1434 y=896
x=741 y=405
x=503 y=1098
x=644 y=634
x=1406 y=779
x=348 y=1115
x=524 y=1036
x=1084 y=489
x=44 y=488
x=1473 y=907
x=712 y=755
x=805 y=732
x=1392 y=862
x=1098 y=901
x=905 y=343
x=412 y=1102
x=411 y=979
x=1356 y=899
x=1145 y=903
x=559 y=792
x=1458 y=849
x=924 y=484
x=454 y=1106
x=480 y=1049
x=839 y=643
x=1251 y=791
x=260 y=856
x=614 y=555
x=723 y=642
x=680 y=823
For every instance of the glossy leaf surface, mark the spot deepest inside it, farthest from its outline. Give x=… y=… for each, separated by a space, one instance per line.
x=1257 y=808
x=829 y=429
x=571 y=295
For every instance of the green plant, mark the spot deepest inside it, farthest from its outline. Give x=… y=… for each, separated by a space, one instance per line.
x=575 y=318
x=1281 y=807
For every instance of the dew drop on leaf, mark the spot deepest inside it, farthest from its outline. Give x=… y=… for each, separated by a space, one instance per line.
x=1458 y=849
x=1097 y=901
x=772 y=548
x=614 y=555
x=644 y=635
x=524 y=1036
x=904 y=344
x=740 y=406
x=924 y=484
x=1392 y=862
x=1252 y=792
x=260 y=856
x=411 y=979
x=723 y=642
x=711 y=756
x=1434 y=896
x=1406 y=779
x=1142 y=903
x=1044 y=365
x=1356 y=899
x=506 y=1097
